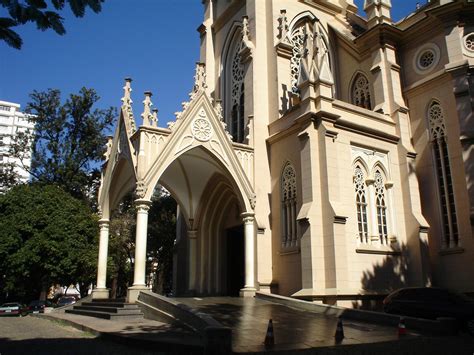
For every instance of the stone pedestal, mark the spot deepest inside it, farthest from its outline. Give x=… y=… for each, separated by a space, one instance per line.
x=134 y=291
x=247 y=292
x=100 y=293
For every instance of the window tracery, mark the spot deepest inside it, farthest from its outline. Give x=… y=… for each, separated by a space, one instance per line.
x=438 y=137
x=298 y=40
x=235 y=91
x=361 y=203
x=381 y=207
x=288 y=190
x=361 y=92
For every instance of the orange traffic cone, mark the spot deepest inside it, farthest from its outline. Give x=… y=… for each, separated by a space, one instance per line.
x=339 y=331
x=269 y=337
x=402 y=330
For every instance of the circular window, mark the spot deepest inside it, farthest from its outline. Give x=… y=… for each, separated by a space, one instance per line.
x=469 y=44
x=426 y=58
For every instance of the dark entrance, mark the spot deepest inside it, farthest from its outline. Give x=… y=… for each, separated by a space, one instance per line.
x=235 y=260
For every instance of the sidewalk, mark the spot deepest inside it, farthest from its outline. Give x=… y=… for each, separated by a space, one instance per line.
x=144 y=333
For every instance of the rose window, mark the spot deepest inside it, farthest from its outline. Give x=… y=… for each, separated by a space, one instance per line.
x=427 y=59
x=202 y=129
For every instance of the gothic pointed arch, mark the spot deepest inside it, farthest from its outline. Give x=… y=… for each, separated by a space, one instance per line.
x=381 y=204
x=311 y=52
x=361 y=200
x=438 y=138
x=197 y=138
x=234 y=84
x=288 y=186
x=360 y=91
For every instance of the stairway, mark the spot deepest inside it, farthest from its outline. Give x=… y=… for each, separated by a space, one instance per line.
x=108 y=309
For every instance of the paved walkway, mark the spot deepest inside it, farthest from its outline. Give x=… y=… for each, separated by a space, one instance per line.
x=296 y=331
x=38 y=336
x=293 y=328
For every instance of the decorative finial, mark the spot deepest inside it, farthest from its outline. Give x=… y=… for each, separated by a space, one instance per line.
x=199 y=79
x=154 y=118
x=127 y=105
x=283 y=27
x=127 y=99
x=146 y=115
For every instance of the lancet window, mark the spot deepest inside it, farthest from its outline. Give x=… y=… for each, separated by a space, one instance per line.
x=361 y=204
x=288 y=206
x=443 y=173
x=361 y=92
x=235 y=93
x=373 y=200
x=381 y=208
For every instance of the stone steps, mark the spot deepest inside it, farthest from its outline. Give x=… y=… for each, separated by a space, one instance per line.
x=107 y=309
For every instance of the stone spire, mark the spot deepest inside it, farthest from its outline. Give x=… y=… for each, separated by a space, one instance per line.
x=146 y=115
x=127 y=106
x=378 y=11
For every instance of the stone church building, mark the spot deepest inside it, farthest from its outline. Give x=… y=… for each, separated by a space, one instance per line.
x=322 y=155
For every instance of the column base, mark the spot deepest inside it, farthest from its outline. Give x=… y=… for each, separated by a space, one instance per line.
x=134 y=291
x=100 y=293
x=248 y=292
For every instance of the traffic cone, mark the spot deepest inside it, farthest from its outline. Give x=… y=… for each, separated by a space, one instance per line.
x=402 y=330
x=339 y=331
x=269 y=337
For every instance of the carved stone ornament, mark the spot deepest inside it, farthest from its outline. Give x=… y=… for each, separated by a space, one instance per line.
x=283 y=27
x=140 y=190
x=201 y=127
x=253 y=201
x=127 y=105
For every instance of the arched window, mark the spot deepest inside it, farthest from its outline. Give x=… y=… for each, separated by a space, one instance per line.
x=443 y=173
x=361 y=204
x=288 y=206
x=235 y=93
x=381 y=207
x=360 y=92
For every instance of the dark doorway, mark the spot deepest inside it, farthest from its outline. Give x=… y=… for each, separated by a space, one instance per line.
x=235 y=260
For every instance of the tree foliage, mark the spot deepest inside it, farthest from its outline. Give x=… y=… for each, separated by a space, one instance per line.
x=46 y=237
x=45 y=14
x=160 y=243
x=68 y=140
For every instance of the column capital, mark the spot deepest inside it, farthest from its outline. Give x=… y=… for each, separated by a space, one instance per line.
x=104 y=222
x=142 y=205
x=248 y=217
x=192 y=233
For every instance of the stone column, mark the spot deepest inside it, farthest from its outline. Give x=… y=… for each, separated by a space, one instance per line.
x=249 y=235
x=101 y=291
x=192 y=236
x=142 y=207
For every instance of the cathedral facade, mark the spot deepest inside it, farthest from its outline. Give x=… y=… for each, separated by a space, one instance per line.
x=322 y=155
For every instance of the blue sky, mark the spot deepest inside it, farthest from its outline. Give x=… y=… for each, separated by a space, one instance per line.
x=156 y=45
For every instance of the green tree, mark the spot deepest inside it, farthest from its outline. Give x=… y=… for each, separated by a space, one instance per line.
x=45 y=14
x=46 y=237
x=161 y=238
x=68 y=140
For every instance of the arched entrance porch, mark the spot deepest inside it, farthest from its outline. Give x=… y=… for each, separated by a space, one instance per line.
x=197 y=162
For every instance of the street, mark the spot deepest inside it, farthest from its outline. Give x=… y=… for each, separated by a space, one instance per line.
x=32 y=335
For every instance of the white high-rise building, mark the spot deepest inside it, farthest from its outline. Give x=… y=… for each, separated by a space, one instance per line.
x=12 y=121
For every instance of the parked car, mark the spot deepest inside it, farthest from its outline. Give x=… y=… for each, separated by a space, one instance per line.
x=38 y=306
x=12 y=309
x=65 y=301
x=431 y=303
